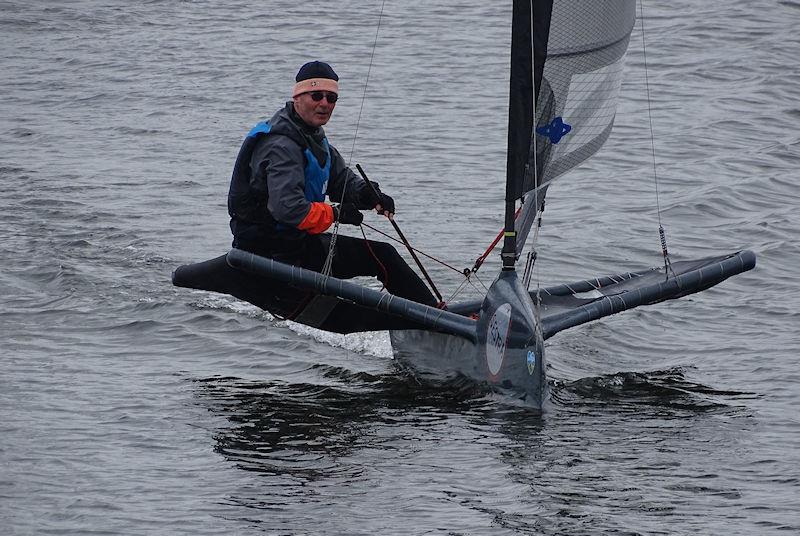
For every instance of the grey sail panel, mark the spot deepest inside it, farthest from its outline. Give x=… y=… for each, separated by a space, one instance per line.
x=569 y=305
x=575 y=73
x=582 y=76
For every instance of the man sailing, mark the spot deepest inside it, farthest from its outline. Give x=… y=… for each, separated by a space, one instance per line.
x=285 y=169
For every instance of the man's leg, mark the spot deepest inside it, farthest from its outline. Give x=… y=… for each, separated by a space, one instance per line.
x=354 y=258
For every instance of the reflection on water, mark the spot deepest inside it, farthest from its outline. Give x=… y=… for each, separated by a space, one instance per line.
x=298 y=428
x=454 y=451
x=638 y=391
x=99 y=212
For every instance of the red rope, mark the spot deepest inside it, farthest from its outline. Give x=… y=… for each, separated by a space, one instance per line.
x=465 y=272
x=479 y=260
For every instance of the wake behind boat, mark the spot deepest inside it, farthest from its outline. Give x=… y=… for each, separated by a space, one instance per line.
x=566 y=71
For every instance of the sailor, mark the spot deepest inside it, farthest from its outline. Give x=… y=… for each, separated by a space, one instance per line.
x=285 y=169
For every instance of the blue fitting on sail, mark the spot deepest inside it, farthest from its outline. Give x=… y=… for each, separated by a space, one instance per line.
x=556 y=130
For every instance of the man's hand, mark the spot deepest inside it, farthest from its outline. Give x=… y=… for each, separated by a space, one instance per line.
x=347 y=213
x=385 y=205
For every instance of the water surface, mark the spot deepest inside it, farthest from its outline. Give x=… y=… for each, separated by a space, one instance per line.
x=128 y=406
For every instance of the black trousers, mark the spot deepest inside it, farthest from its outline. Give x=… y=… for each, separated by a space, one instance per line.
x=356 y=256
x=353 y=257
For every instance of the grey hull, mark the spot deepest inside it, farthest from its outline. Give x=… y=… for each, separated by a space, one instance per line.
x=508 y=353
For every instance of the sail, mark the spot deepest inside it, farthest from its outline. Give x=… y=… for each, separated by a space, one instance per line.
x=566 y=59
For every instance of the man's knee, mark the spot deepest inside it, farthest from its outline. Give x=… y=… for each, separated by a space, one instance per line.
x=384 y=251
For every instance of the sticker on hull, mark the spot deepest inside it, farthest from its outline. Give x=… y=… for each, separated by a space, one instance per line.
x=531 y=362
x=497 y=338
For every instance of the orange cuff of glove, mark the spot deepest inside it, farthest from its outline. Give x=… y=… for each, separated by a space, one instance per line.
x=318 y=219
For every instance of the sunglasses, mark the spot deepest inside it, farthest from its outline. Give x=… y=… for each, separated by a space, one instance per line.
x=317 y=96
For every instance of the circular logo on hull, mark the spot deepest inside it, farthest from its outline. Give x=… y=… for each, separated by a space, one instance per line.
x=497 y=338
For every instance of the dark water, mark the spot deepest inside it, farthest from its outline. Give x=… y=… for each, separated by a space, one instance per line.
x=130 y=407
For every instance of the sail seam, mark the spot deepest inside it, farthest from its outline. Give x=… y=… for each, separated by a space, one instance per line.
x=611 y=44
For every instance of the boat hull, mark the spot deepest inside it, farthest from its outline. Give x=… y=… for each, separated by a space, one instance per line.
x=438 y=357
x=507 y=354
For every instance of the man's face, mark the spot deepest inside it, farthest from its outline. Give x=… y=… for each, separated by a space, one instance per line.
x=315 y=112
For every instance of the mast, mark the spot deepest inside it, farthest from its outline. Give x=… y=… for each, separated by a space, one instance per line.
x=530 y=27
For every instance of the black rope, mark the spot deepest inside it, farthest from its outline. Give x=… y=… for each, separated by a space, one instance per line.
x=662 y=234
x=328 y=266
x=403 y=238
x=431 y=257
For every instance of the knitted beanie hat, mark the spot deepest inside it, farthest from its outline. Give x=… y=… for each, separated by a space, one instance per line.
x=315 y=76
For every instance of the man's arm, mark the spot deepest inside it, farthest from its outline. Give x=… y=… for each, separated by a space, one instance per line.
x=356 y=192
